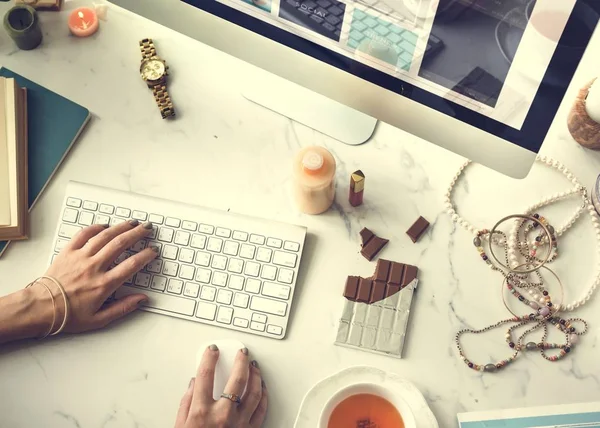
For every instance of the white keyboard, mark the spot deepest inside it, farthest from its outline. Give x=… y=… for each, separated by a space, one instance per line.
x=217 y=268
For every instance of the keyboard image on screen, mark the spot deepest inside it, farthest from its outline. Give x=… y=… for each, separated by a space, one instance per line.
x=324 y=17
x=214 y=267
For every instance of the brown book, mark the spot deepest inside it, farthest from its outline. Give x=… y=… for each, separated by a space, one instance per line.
x=13 y=157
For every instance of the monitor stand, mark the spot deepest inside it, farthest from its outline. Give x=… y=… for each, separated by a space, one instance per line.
x=311 y=109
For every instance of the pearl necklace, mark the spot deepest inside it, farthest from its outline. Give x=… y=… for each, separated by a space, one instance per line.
x=513 y=245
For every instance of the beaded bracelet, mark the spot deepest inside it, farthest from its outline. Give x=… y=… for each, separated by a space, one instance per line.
x=53 y=307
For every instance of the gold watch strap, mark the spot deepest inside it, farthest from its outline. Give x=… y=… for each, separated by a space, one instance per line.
x=163 y=100
x=147 y=48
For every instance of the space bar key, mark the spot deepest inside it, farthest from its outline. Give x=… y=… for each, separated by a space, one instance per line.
x=178 y=305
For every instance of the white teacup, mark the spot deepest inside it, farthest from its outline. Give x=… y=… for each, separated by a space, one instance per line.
x=368 y=388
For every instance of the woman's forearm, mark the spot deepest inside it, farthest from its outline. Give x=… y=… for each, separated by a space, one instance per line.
x=25 y=314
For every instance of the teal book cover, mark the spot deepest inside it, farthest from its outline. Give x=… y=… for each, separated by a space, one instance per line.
x=53 y=125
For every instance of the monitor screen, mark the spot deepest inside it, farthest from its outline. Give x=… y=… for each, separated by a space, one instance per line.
x=500 y=65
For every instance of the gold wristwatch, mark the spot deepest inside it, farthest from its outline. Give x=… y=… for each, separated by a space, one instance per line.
x=154 y=71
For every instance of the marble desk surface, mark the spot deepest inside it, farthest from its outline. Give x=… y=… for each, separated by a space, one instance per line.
x=225 y=152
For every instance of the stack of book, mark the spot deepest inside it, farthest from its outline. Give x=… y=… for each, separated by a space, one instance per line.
x=14 y=215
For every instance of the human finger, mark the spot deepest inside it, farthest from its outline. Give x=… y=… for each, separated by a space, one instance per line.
x=239 y=374
x=118 y=309
x=103 y=238
x=184 y=405
x=253 y=393
x=258 y=418
x=119 y=274
x=109 y=252
x=84 y=235
x=205 y=378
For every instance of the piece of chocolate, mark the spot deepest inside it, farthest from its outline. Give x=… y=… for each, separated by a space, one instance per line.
x=366 y=235
x=391 y=290
x=396 y=272
x=382 y=270
x=378 y=291
x=357 y=188
x=351 y=287
x=417 y=229
x=364 y=290
x=410 y=273
x=374 y=246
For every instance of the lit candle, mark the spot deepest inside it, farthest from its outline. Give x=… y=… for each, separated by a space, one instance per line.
x=83 y=22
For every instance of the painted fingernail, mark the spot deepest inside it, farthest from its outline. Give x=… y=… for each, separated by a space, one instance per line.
x=262 y=382
x=213 y=347
x=255 y=364
x=142 y=302
x=155 y=248
x=191 y=383
x=133 y=222
x=244 y=351
x=147 y=225
x=106 y=225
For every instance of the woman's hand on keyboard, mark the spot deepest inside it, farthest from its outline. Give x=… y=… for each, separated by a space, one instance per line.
x=82 y=269
x=198 y=409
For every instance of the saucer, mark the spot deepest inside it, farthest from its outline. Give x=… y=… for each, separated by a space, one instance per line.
x=315 y=400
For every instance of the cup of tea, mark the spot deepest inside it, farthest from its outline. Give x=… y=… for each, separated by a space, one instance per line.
x=366 y=405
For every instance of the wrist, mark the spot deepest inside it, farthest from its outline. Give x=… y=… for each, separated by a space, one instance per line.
x=25 y=314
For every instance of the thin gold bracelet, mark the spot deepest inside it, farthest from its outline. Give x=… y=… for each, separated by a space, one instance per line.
x=53 y=307
x=64 y=294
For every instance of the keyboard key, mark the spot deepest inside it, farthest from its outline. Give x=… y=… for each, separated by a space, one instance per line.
x=158 y=245
x=116 y=221
x=102 y=219
x=252 y=269
x=170 y=268
x=231 y=248
x=240 y=236
x=156 y=219
x=257 y=239
x=291 y=246
x=61 y=244
x=123 y=212
x=138 y=246
x=241 y=300
x=155 y=266
x=257 y=326
x=159 y=282
x=222 y=232
x=86 y=218
x=162 y=301
x=285 y=259
x=165 y=234
x=274 y=329
x=186 y=255
x=153 y=232
x=107 y=209
x=122 y=257
x=278 y=291
x=74 y=202
x=286 y=276
x=274 y=242
x=189 y=225
x=70 y=215
x=206 y=228
x=224 y=296
x=206 y=311
x=208 y=293
x=236 y=282
x=225 y=315
x=170 y=252
x=142 y=279
x=140 y=215
x=68 y=230
x=182 y=238
x=253 y=285
x=202 y=258
x=191 y=289
x=187 y=272
x=268 y=306
x=235 y=265
x=220 y=279
x=203 y=275
x=214 y=245
x=261 y=318
x=198 y=241
x=219 y=262
x=268 y=272
x=264 y=255
x=89 y=205
x=247 y=251
x=172 y=222
x=240 y=322
x=175 y=286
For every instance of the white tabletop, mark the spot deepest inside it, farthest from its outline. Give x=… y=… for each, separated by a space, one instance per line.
x=225 y=152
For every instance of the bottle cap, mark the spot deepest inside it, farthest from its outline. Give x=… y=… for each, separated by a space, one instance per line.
x=312 y=161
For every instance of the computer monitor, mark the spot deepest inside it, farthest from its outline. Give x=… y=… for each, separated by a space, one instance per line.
x=482 y=78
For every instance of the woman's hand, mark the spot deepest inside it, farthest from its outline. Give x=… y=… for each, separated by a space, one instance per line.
x=82 y=269
x=198 y=409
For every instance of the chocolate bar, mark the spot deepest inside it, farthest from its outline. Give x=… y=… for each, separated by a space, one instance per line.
x=371 y=244
x=417 y=229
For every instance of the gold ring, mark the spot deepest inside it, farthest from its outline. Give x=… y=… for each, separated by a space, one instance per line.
x=232 y=397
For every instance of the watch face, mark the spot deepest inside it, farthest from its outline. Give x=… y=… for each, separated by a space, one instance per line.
x=152 y=69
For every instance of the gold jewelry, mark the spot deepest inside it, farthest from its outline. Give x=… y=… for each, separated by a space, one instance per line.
x=53 y=307
x=163 y=100
x=157 y=83
x=64 y=295
x=232 y=397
